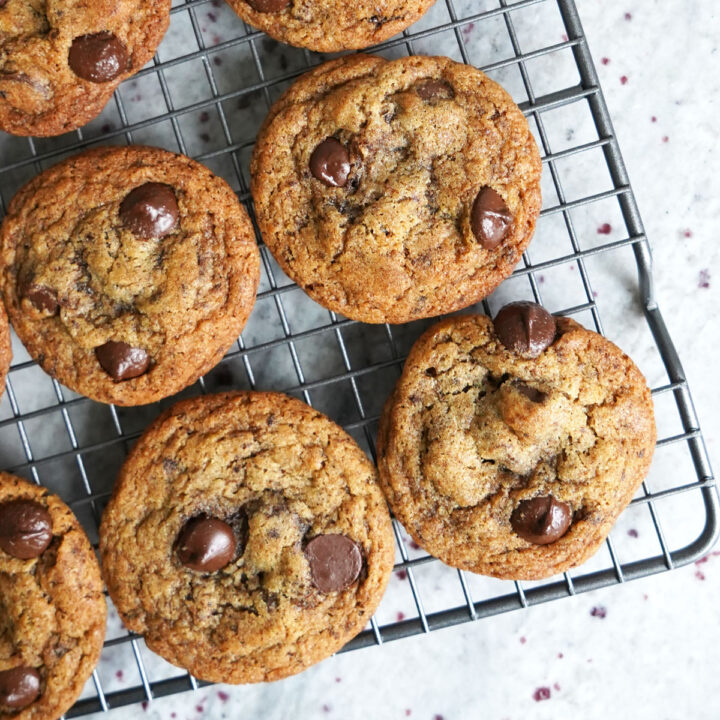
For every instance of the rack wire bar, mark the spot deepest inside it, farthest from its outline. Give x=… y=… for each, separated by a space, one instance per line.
x=75 y=446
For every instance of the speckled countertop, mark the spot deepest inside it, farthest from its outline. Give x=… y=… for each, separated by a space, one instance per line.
x=648 y=649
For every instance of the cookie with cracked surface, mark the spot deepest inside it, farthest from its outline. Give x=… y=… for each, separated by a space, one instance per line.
x=509 y=448
x=128 y=272
x=247 y=537
x=61 y=61
x=52 y=606
x=396 y=190
x=331 y=25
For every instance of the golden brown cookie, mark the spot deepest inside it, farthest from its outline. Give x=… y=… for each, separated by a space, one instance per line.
x=331 y=25
x=5 y=348
x=128 y=272
x=60 y=61
x=52 y=606
x=246 y=538
x=391 y=191
x=510 y=447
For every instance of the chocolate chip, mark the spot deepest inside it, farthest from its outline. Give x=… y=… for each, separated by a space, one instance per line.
x=541 y=520
x=25 y=529
x=330 y=162
x=3 y=3
x=121 y=361
x=98 y=58
x=19 y=687
x=150 y=211
x=206 y=544
x=335 y=562
x=525 y=328
x=431 y=89
x=490 y=218
x=43 y=298
x=266 y=6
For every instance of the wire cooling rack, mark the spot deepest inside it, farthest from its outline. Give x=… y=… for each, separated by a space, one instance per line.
x=205 y=95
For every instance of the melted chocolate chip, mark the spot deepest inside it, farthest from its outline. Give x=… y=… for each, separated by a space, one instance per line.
x=431 y=89
x=3 y=3
x=98 y=58
x=43 y=298
x=25 y=529
x=541 y=520
x=19 y=687
x=525 y=328
x=266 y=6
x=121 y=361
x=206 y=544
x=330 y=163
x=490 y=219
x=335 y=562
x=150 y=211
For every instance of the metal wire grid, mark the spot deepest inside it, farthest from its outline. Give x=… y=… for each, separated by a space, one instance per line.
x=352 y=380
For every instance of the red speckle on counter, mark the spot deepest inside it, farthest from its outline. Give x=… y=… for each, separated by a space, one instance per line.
x=556 y=686
x=400 y=616
x=468 y=29
x=205 y=137
x=204 y=116
x=217 y=60
x=216 y=3
x=408 y=712
x=699 y=575
x=687 y=234
x=704 y=279
x=632 y=532
x=605 y=61
x=702 y=560
x=438 y=717
x=338 y=679
x=595 y=293
x=212 y=17
x=628 y=16
x=199 y=708
x=414 y=545
x=665 y=139
x=604 y=229
x=106 y=128
x=119 y=674
x=653 y=119
x=541 y=278
x=599 y=611
x=224 y=697
x=326 y=708
x=173 y=714
x=542 y=693
x=144 y=705
x=216 y=40
x=645 y=596
x=401 y=574
x=623 y=79
x=564 y=37
x=561 y=656
x=523 y=639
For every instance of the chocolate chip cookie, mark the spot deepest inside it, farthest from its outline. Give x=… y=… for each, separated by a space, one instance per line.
x=52 y=606
x=396 y=190
x=61 y=61
x=246 y=538
x=128 y=272
x=5 y=348
x=331 y=25
x=510 y=447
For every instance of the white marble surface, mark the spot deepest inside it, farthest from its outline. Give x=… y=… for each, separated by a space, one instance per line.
x=652 y=651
